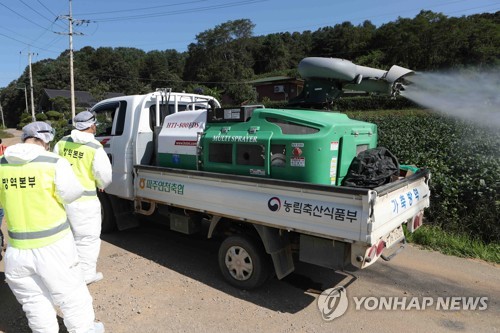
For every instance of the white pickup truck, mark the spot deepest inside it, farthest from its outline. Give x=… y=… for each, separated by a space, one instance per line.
x=265 y=223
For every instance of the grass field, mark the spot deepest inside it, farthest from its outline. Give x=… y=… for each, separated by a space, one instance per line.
x=459 y=245
x=464 y=160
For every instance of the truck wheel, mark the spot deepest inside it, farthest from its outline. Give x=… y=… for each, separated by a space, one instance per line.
x=108 y=223
x=243 y=262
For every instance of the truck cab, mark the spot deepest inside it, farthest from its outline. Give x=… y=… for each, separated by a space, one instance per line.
x=126 y=128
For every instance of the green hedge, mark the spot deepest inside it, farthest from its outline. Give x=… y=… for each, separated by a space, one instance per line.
x=464 y=161
x=364 y=103
x=360 y=103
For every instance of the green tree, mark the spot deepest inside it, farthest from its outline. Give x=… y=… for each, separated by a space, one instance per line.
x=99 y=90
x=163 y=69
x=220 y=56
x=274 y=53
x=227 y=56
x=61 y=104
x=343 y=40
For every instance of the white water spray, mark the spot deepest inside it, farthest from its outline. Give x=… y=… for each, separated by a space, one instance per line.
x=469 y=95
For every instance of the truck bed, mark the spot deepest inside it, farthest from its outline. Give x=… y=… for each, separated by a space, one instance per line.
x=334 y=212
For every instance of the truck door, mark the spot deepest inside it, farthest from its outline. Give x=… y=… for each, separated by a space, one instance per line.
x=111 y=134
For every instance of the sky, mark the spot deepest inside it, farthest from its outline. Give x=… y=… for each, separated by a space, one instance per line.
x=40 y=28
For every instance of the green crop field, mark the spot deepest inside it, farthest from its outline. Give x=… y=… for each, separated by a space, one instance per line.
x=464 y=160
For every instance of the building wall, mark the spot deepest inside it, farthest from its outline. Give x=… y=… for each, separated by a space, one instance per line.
x=279 y=91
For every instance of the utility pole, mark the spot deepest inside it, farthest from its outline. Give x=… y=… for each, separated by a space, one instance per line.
x=3 y=121
x=26 y=98
x=31 y=89
x=71 y=71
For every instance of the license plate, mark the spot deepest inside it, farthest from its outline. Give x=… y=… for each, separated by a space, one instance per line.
x=394 y=237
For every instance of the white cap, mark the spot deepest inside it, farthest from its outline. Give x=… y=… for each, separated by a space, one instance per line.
x=40 y=130
x=84 y=120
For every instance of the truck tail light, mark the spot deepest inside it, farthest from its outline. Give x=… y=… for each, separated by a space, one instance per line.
x=375 y=251
x=380 y=247
x=416 y=222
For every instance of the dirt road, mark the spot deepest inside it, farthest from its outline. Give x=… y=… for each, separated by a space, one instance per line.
x=13 y=140
x=160 y=281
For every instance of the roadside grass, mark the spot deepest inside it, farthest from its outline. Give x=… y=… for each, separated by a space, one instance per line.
x=433 y=237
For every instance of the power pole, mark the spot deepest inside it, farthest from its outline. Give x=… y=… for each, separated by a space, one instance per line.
x=71 y=72
x=26 y=98
x=31 y=89
x=71 y=21
x=3 y=121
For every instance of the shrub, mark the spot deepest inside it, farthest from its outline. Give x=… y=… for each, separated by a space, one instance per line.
x=464 y=160
x=25 y=119
x=54 y=115
x=41 y=117
x=365 y=103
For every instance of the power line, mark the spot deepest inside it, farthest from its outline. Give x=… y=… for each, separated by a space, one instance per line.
x=37 y=12
x=143 y=8
x=21 y=16
x=12 y=38
x=177 y=12
x=13 y=32
x=26 y=43
x=51 y=12
x=29 y=44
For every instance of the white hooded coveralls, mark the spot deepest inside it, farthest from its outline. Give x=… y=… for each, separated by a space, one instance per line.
x=85 y=216
x=49 y=276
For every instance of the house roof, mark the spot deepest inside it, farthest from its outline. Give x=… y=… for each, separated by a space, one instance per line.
x=273 y=79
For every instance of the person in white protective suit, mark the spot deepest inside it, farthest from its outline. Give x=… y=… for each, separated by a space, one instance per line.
x=41 y=261
x=93 y=169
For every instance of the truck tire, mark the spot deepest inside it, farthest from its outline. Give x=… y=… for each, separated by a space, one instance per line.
x=243 y=262
x=108 y=223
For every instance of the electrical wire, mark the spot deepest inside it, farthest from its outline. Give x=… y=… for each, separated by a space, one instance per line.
x=32 y=42
x=177 y=12
x=21 y=16
x=51 y=12
x=211 y=7
x=143 y=8
x=37 y=12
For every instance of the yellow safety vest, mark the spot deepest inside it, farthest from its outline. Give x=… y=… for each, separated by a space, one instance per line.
x=81 y=156
x=34 y=217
